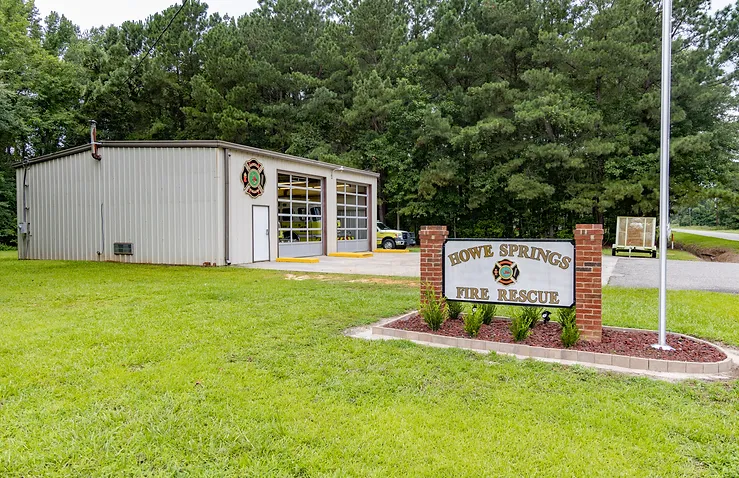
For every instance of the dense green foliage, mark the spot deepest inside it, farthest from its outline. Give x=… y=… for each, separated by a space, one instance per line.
x=488 y=313
x=719 y=210
x=495 y=117
x=137 y=370
x=432 y=309
x=454 y=309
x=567 y=318
x=524 y=319
x=519 y=327
x=473 y=322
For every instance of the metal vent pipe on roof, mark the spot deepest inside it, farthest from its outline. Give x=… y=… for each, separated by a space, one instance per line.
x=94 y=140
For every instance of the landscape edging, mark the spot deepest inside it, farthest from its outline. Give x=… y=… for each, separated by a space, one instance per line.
x=581 y=356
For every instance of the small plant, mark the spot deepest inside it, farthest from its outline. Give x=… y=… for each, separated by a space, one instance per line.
x=473 y=321
x=454 y=309
x=488 y=313
x=519 y=327
x=432 y=309
x=567 y=318
x=531 y=315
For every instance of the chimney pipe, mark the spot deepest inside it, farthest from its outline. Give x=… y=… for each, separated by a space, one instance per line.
x=94 y=140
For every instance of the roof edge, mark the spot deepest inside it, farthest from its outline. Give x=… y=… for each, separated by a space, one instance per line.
x=49 y=157
x=190 y=144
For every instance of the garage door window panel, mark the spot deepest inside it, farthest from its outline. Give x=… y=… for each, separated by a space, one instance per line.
x=352 y=214
x=300 y=215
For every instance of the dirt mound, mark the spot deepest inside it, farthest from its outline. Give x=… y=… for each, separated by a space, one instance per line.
x=710 y=254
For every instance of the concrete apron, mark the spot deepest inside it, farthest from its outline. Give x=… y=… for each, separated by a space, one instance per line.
x=731 y=365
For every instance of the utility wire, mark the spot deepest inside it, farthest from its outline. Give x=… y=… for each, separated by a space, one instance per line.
x=133 y=72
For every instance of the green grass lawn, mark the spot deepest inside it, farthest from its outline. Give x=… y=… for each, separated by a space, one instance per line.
x=705 y=241
x=112 y=369
x=672 y=254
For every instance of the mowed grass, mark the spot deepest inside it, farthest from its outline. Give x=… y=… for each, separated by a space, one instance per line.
x=706 y=242
x=133 y=370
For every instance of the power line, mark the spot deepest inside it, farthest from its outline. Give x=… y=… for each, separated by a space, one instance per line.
x=133 y=72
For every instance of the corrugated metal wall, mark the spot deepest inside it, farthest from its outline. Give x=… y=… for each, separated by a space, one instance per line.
x=168 y=202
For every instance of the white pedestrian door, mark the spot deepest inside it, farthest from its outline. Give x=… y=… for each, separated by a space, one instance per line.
x=260 y=233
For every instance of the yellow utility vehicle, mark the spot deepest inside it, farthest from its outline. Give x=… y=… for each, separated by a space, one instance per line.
x=388 y=238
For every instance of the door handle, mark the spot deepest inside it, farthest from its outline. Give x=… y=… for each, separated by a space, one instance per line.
x=267 y=232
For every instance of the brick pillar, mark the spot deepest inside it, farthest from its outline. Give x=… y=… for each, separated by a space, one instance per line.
x=432 y=238
x=588 y=264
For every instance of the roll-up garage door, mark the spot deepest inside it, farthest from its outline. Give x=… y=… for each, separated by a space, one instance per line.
x=352 y=214
x=300 y=215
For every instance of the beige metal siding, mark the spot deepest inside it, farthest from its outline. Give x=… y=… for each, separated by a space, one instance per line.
x=62 y=203
x=168 y=202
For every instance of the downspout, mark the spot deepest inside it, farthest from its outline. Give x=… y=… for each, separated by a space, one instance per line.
x=101 y=251
x=226 y=206
x=27 y=234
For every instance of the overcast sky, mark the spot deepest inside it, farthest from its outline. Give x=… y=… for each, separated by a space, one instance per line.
x=89 y=13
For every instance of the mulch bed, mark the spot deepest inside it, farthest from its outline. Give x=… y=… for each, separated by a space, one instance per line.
x=632 y=343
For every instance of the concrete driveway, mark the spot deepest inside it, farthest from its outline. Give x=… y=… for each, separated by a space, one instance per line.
x=617 y=271
x=730 y=236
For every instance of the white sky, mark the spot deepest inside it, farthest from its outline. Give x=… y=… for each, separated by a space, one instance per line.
x=90 y=13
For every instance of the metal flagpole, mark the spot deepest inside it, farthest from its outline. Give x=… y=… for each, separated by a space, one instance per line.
x=664 y=171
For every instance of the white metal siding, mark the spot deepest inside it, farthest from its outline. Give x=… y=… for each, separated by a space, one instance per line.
x=168 y=202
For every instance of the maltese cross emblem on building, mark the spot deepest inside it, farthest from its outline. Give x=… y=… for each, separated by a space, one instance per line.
x=252 y=177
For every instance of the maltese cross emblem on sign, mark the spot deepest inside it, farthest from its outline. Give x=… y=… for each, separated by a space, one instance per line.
x=505 y=272
x=252 y=177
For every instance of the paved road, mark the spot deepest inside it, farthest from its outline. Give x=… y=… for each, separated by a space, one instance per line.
x=690 y=275
x=731 y=236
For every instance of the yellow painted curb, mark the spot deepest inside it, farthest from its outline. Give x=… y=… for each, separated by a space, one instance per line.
x=355 y=255
x=304 y=260
x=392 y=251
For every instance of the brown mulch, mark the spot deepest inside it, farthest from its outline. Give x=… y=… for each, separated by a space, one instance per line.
x=632 y=343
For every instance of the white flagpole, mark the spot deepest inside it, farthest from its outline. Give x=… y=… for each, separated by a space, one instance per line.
x=664 y=171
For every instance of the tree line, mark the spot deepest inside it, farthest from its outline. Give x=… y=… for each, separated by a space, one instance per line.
x=515 y=118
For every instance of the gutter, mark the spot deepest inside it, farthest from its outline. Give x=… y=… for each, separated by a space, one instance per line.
x=226 y=206
x=197 y=144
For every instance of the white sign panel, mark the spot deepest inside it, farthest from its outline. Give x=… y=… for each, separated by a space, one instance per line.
x=515 y=272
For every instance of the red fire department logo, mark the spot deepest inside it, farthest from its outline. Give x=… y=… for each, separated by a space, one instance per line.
x=252 y=177
x=505 y=272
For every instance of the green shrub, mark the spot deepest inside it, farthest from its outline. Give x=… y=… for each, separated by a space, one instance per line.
x=432 y=309
x=454 y=309
x=488 y=313
x=531 y=315
x=519 y=327
x=567 y=318
x=473 y=321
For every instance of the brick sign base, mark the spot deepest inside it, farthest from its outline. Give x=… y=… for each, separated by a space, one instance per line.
x=588 y=265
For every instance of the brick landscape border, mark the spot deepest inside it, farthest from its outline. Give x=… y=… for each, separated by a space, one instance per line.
x=579 y=356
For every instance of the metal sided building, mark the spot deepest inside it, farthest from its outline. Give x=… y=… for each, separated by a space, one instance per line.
x=190 y=202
